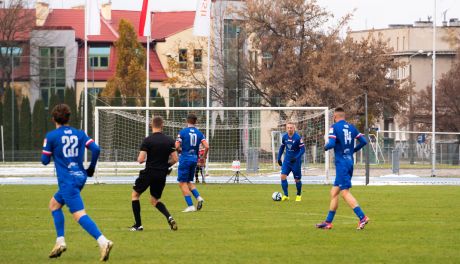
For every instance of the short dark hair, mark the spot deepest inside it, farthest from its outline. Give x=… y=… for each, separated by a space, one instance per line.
x=339 y=110
x=157 y=122
x=191 y=118
x=61 y=114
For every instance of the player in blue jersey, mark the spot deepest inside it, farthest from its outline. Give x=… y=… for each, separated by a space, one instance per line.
x=342 y=136
x=188 y=144
x=67 y=147
x=292 y=162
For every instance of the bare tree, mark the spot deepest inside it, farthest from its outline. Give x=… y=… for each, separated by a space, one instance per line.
x=16 y=23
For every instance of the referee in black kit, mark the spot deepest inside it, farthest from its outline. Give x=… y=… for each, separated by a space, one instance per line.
x=160 y=153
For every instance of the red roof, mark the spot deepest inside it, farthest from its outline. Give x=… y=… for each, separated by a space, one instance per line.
x=164 y=24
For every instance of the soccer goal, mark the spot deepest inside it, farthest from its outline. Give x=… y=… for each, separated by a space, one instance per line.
x=250 y=135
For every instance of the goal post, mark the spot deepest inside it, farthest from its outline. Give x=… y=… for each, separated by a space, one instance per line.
x=235 y=133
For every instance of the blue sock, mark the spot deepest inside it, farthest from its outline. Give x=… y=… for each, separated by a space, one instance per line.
x=330 y=216
x=299 y=187
x=195 y=193
x=359 y=213
x=188 y=200
x=89 y=226
x=58 y=217
x=284 y=185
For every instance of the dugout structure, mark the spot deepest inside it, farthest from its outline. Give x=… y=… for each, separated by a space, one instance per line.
x=248 y=134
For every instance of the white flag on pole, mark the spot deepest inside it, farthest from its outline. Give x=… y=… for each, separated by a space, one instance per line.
x=202 y=18
x=93 y=23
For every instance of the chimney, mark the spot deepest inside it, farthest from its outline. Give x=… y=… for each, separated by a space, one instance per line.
x=106 y=11
x=42 y=10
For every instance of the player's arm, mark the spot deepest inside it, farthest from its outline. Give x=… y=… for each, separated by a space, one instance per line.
x=46 y=152
x=280 y=152
x=178 y=143
x=142 y=157
x=206 y=148
x=301 y=151
x=173 y=158
x=95 y=151
x=331 y=139
x=362 y=142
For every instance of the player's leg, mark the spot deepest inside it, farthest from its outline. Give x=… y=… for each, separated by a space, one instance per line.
x=285 y=170
x=297 y=172
x=183 y=171
x=333 y=205
x=140 y=185
x=156 y=190
x=197 y=180
x=350 y=199
x=77 y=209
x=193 y=188
x=55 y=206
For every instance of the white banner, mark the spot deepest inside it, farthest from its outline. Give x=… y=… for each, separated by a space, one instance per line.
x=201 y=26
x=93 y=23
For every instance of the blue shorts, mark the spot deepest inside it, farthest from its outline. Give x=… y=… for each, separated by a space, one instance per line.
x=295 y=167
x=344 y=173
x=69 y=193
x=186 y=171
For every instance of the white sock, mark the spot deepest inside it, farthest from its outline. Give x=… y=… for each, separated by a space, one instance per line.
x=60 y=240
x=102 y=241
x=200 y=198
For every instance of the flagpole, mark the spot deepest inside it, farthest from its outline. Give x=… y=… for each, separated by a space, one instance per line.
x=86 y=77
x=147 y=86
x=208 y=84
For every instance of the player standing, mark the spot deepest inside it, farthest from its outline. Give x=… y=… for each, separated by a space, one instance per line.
x=342 y=137
x=200 y=166
x=67 y=147
x=188 y=144
x=156 y=149
x=295 y=148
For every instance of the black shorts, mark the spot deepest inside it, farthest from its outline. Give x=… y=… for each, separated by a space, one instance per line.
x=155 y=179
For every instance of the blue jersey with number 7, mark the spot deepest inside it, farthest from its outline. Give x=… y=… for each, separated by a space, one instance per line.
x=190 y=139
x=67 y=147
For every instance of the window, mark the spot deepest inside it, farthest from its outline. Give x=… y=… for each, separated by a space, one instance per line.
x=153 y=93
x=93 y=94
x=52 y=72
x=99 y=57
x=8 y=52
x=183 y=58
x=267 y=60
x=187 y=97
x=197 y=58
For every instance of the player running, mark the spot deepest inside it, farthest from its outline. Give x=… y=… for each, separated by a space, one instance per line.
x=188 y=143
x=155 y=151
x=295 y=148
x=342 y=137
x=67 y=147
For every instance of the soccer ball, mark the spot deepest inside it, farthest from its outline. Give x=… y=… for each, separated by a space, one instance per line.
x=276 y=196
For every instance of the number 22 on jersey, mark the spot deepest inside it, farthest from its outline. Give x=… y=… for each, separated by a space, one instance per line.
x=70 y=148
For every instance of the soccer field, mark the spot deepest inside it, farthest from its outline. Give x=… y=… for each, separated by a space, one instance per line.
x=241 y=224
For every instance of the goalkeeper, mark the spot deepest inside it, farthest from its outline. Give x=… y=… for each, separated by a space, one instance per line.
x=295 y=149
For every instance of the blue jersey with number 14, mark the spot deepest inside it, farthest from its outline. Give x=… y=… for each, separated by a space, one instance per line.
x=190 y=139
x=67 y=147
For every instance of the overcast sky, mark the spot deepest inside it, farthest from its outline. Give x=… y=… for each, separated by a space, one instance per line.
x=368 y=14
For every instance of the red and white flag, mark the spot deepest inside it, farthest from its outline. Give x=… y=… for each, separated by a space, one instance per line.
x=146 y=19
x=201 y=26
x=93 y=19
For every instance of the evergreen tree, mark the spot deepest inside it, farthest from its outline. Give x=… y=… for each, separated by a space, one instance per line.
x=160 y=101
x=90 y=118
x=54 y=100
x=1 y=113
x=25 y=125
x=71 y=100
x=8 y=127
x=38 y=125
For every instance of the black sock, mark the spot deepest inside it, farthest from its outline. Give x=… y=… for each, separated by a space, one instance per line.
x=137 y=212
x=162 y=208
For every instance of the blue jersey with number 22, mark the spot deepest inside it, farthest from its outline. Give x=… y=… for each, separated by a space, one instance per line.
x=67 y=147
x=190 y=139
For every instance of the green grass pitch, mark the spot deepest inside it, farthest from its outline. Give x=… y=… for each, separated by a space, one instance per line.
x=240 y=224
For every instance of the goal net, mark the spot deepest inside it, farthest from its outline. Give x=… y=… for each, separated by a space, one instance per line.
x=251 y=135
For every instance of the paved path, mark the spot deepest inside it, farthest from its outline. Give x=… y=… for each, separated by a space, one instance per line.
x=273 y=179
